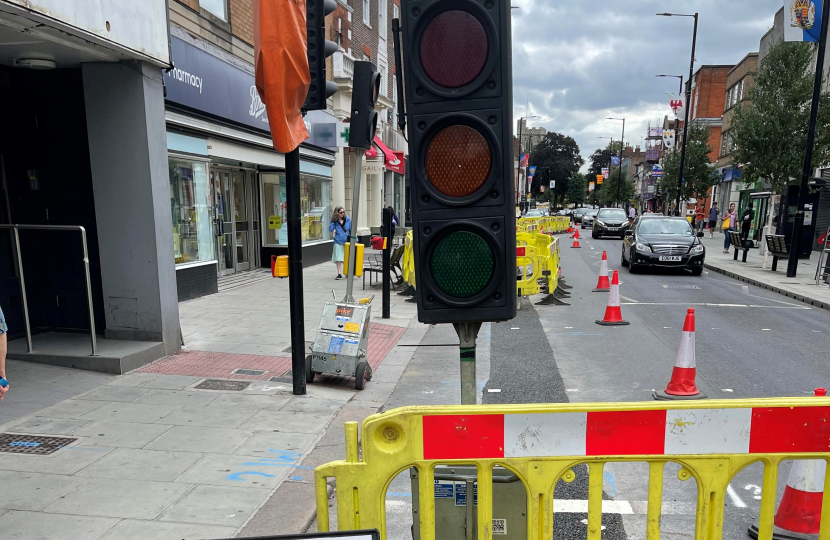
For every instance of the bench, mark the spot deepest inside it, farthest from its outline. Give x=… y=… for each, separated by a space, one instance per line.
x=777 y=246
x=737 y=243
x=375 y=266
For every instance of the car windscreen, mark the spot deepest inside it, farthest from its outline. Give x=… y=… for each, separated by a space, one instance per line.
x=612 y=213
x=665 y=226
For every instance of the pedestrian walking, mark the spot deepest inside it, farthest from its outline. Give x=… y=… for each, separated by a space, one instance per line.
x=341 y=226
x=713 y=219
x=632 y=213
x=730 y=219
x=747 y=218
x=700 y=215
x=4 y=383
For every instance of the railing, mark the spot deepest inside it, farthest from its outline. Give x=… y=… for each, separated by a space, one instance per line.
x=16 y=228
x=343 y=65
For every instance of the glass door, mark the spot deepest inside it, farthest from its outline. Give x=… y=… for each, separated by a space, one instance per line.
x=241 y=203
x=223 y=226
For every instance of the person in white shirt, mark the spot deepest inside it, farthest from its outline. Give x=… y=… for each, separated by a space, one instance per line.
x=632 y=213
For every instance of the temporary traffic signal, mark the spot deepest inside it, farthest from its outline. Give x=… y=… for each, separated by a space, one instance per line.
x=319 y=48
x=364 y=118
x=459 y=113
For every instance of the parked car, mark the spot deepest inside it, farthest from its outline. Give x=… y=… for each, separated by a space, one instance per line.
x=534 y=213
x=578 y=214
x=610 y=222
x=663 y=241
x=588 y=218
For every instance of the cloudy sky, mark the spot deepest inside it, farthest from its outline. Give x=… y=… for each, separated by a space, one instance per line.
x=580 y=61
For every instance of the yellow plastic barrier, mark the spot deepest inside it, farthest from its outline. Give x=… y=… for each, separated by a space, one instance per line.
x=408 y=260
x=358 y=263
x=712 y=440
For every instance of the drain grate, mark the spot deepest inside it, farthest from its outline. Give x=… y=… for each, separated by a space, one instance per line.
x=17 y=443
x=219 y=384
x=254 y=372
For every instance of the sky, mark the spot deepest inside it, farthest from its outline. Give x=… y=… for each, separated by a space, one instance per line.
x=578 y=62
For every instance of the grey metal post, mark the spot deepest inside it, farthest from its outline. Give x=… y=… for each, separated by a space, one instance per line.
x=358 y=171
x=88 y=295
x=23 y=289
x=467 y=333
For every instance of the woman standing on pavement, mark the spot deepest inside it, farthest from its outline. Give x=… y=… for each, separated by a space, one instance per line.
x=341 y=226
x=713 y=219
x=700 y=215
x=730 y=217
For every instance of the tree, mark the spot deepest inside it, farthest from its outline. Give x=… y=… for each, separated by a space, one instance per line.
x=771 y=135
x=556 y=158
x=607 y=194
x=601 y=158
x=576 y=189
x=698 y=173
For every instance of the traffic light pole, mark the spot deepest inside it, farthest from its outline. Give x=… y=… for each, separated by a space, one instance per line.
x=295 y=271
x=467 y=334
x=358 y=172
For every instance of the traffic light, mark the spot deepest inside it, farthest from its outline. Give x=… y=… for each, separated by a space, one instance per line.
x=459 y=101
x=319 y=48
x=364 y=118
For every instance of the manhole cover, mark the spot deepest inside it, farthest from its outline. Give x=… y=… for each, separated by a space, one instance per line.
x=218 y=384
x=680 y=287
x=254 y=372
x=32 y=444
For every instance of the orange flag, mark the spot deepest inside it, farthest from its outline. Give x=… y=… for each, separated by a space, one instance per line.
x=282 y=76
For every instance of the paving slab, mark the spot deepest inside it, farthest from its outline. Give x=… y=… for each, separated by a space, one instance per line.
x=267 y=443
x=177 y=398
x=194 y=438
x=313 y=405
x=215 y=505
x=257 y=402
x=238 y=471
x=138 y=464
x=68 y=460
x=49 y=426
x=131 y=529
x=297 y=422
x=72 y=408
x=121 y=435
x=106 y=497
x=130 y=412
x=34 y=491
x=115 y=393
x=226 y=417
x=37 y=525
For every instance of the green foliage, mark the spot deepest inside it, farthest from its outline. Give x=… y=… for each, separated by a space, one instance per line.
x=576 y=189
x=699 y=172
x=557 y=158
x=607 y=194
x=771 y=134
x=601 y=158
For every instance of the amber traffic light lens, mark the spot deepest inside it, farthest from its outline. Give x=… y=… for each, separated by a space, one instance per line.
x=453 y=49
x=458 y=161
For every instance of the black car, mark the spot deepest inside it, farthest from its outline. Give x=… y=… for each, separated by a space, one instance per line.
x=663 y=241
x=610 y=222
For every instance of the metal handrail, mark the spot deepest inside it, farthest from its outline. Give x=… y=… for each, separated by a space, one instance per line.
x=15 y=228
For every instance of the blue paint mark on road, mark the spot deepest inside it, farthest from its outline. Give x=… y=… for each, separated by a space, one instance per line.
x=237 y=477
x=296 y=477
x=24 y=443
x=611 y=482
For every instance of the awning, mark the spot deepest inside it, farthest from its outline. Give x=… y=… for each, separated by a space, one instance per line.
x=394 y=160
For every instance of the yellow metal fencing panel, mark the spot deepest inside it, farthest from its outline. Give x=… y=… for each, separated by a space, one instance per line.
x=711 y=440
x=408 y=260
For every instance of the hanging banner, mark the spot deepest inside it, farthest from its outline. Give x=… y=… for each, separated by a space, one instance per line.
x=604 y=173
x=552 y=184
x=591 y=186
x=600 y=179
x=668 y=139
x=656 y=171
x=523 y=161
x=677 y=103
x=541 y=189
x=802 y=20
x=615 y=161
x=532 y=171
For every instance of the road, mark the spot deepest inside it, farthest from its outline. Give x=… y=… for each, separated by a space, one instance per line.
x=750 y=343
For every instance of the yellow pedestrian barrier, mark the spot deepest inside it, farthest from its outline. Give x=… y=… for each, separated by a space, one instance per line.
x=540 y=444
x=408 y=260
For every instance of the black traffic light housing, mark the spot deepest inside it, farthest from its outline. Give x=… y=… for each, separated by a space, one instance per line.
x=364 y=119
x=319 y=48
x=459 y=101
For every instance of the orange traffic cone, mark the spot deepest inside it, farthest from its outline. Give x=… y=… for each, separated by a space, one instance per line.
x=799 y=512
x=613 y=315
x=576 y=243
x=682 y=383
x=602 y=283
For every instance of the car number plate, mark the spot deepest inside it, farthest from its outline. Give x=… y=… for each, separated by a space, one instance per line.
x=613 y=228
x=669 y=258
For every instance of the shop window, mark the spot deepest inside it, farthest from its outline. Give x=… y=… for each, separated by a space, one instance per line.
x=216 y=7
x=315 y=205
x=367 y=17
x=190 y=207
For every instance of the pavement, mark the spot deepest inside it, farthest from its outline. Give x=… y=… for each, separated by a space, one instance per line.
x=188 y=447
x=802 y=287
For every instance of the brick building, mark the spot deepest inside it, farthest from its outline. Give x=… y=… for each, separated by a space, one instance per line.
x=708 y=91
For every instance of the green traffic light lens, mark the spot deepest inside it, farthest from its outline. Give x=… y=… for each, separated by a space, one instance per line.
x=462 y=264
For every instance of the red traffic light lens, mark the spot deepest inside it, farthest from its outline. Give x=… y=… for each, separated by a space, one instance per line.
x=454 y=49
x=458 y=161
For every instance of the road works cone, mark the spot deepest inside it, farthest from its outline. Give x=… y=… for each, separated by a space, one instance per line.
x=576 y=243
x=613 y=315
x=602 y=283
x=682 y=383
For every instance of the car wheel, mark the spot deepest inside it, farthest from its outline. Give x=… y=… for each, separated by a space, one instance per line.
x=697 y=271
x=623 y=262
x=632 y=268
x=594 y=235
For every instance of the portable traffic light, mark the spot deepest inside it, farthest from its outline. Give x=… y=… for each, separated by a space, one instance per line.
x=319 y=48
x=364 y=118
x=459 y=115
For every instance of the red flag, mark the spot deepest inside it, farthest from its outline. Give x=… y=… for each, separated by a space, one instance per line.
x=523 y=162
x=282 y=76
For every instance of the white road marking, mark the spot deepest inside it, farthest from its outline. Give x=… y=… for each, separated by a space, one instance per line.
x=627 y=299
x=765 y=329
x=515 y=328
x=494 y=390
x=744 y=289
x=569 y=328
x=706 y=304
x=571 y=390
x=585 y=522
x=726 y=390
x=666 y=327
x=817 y=331
x=733 y=495
x=757 y=493
x=580 y=506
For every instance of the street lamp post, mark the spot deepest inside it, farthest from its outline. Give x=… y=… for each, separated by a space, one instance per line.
x=610 y=152
x=521 y=125
x=619 y=177
x=679 y=93
x=688 y=99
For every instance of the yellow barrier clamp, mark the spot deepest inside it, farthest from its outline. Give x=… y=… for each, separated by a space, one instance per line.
x=712 y=441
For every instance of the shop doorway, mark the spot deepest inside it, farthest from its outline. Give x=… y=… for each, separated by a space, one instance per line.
x=234 y=210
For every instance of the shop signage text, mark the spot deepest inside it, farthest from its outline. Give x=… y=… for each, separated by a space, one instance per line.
x=373 y=167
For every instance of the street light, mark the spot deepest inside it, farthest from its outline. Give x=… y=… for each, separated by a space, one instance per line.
x=688 y=99
x=676 y=77
x=610 y=150
x=521 y=125
x=622 y=141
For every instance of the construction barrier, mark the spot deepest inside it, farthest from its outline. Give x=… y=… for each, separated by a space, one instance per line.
x=408 y=260
x=540 y=444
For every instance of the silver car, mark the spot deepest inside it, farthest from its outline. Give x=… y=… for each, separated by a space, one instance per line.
x=588 y=219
